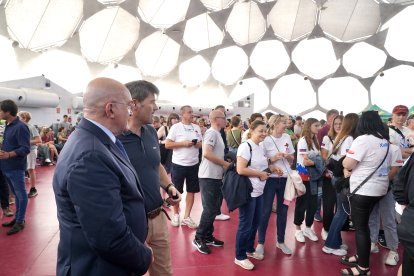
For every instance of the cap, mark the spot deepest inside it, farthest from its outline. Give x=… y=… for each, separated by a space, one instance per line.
x=400 y=109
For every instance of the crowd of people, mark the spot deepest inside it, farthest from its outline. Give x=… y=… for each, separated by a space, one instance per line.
x=122 y=168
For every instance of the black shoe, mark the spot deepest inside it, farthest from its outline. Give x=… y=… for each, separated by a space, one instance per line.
x=32 y=192
x=381 y=239
x=214 y=242
x=9 y=223
x=17 y=227
x=201 y=246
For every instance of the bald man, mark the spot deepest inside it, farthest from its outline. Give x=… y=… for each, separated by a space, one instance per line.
x=100 y=205
x=210 y=176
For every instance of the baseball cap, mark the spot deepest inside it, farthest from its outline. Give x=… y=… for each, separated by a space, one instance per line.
x=400 y=109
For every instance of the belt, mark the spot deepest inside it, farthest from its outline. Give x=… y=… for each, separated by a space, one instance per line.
x=155 y=213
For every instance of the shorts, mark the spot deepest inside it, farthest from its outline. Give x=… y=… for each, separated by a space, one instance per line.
x=189 y=174
x=31 y=159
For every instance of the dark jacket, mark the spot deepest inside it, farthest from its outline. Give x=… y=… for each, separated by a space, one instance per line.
x=100 y=208
x=315 y=172
x=16 y=138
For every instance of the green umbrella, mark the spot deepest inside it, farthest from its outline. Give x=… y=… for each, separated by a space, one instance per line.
x=411 y=110
x=381 y=112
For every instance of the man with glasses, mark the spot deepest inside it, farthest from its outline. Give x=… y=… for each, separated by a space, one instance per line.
x=99 y=198
x=210 y=175
x=141 y=145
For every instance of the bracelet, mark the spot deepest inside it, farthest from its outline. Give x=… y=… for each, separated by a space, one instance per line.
x=168 y=187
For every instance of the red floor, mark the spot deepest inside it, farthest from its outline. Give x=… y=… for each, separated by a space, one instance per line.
x=33 y=252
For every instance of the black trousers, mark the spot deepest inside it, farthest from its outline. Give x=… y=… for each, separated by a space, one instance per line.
x=306 y=203
x=4 y=191
x=361 y=207
x=328 y=202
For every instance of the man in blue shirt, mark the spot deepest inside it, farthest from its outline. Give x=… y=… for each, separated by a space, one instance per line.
x=13 y=154
x=141 y=145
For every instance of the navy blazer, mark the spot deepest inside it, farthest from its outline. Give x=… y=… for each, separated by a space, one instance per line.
x=100 y=208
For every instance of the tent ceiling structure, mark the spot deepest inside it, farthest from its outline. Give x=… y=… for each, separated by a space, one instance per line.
x=304 y=56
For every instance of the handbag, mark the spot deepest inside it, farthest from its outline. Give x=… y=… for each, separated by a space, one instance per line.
x=293 y=177
x=236 y=188
x=164 y=152
x=335 y=166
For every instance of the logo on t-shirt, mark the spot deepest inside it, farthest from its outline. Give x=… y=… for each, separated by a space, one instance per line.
x=302 y=150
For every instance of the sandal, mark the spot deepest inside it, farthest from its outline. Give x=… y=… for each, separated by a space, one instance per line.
x=345 y=260
x=348 y=271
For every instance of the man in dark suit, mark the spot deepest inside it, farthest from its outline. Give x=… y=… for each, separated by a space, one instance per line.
x=100 y=204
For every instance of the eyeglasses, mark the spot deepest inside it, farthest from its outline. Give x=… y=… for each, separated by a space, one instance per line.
x=129 y=105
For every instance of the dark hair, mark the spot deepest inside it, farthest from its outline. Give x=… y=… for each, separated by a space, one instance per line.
x=170 y=117
x=253 y=126
x=9 y=106
x=235 y=121
x=141 y=89
x=254 y=116
x=306 y=132
x=268 y=115
x=298 y=118
x=219 y=107
x=65 y=116
x=370 y=124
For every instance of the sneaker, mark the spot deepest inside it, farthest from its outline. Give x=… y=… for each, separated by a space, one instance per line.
x=7 y=212
x=9 y=223
x=175 y=220
x=324 y=234
x=32 y=192
x=189 y=222
x=222 y=217
x=260 y=249
x=47 y=160
x=214 y=242
x=392 y=258
x=337 y=252
x=344 y=246
x=381 y=239
x=286 y=250
x=201 y=246
x=255 y=255
x=374 y=247
x=246 y=264
x=299 y=236
x=17 y=227
x=317 y=217
x=310 y=234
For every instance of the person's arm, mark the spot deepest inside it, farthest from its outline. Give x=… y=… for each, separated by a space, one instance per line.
x=161 y=132
x=306 y=161
x=169 y=144
x=169 y=187
x=210 y=156
x=324 y=153
x=242 y=169
x=104 y=226
x=36 y=140
x=393 y=172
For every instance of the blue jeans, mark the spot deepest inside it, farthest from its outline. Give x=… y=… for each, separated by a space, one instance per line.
x=211 y=201
x=250 y=215
x=274 y=186
x=17 y=185
x=334 y=239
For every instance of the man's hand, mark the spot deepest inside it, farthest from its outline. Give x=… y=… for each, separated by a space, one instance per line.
x=4 y=155
x=187 y=144
x=152 y=252
x=174 y=196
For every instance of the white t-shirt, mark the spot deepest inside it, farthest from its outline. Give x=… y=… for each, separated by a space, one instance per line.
x=207 y=168
x=244 y=136
x=179 y=132
x=396 y=156
x=304 y=150
x=343 y=148
x=327 y=144
x=398 y=140
x=370 y=151
x=284 y=144
x=258 y=162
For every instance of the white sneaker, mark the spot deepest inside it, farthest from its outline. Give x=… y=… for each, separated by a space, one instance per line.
x=337 y=252
x=260 y=249
x=175 y=220
x=324 y=234
x=284 y=248
x=310 y=234
x=392 y=258
x=255 y=255
x=47 y=160
x=374 y=247
x=344 y=246
x=246 y=264
x=222 y=217
x=299 y=236
x=189 y=222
